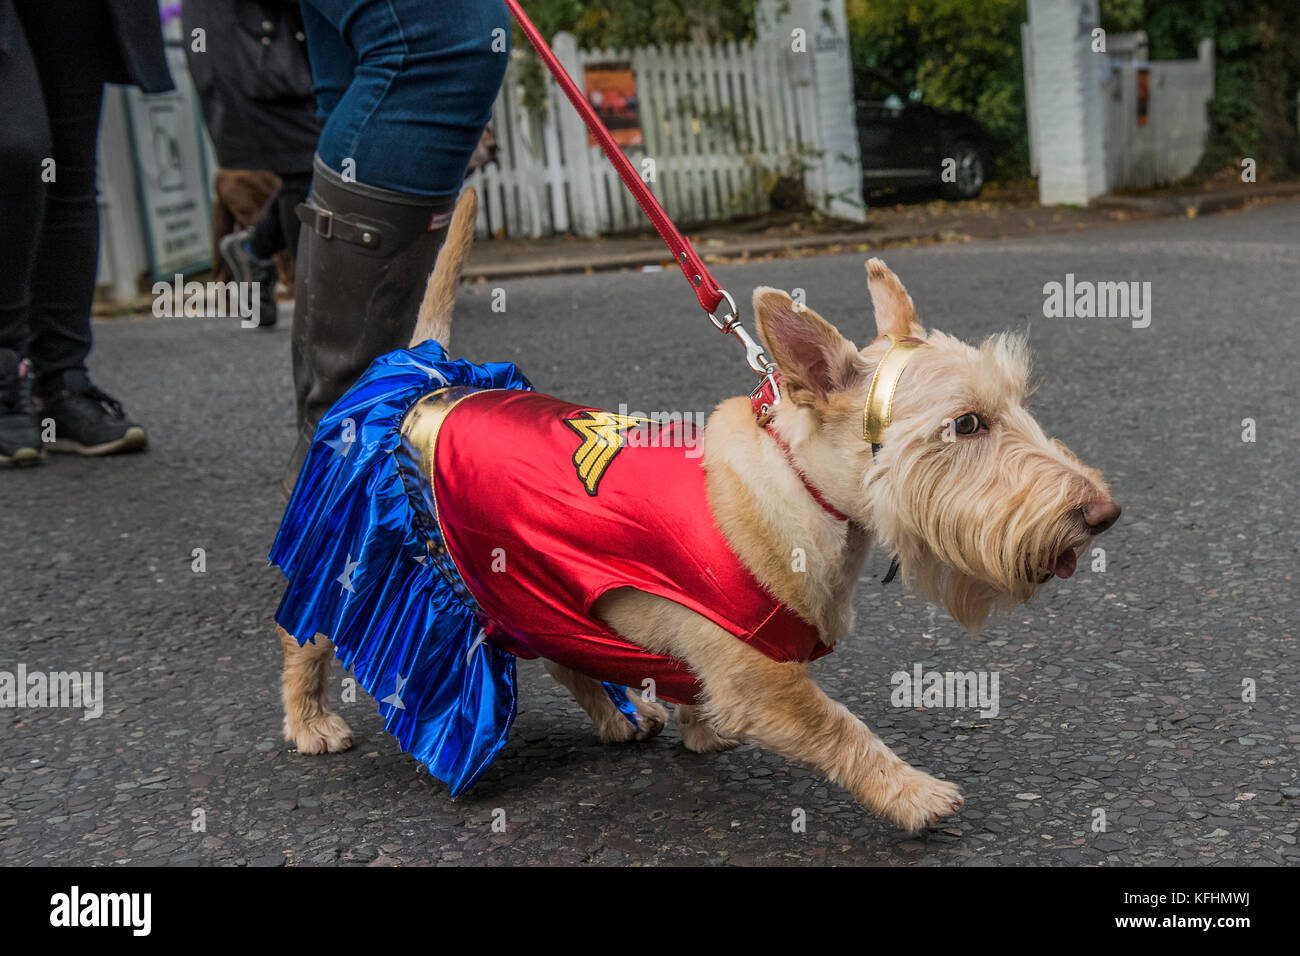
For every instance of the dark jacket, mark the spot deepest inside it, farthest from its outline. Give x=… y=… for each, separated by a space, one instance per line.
x=138 y=35
x=254 y=81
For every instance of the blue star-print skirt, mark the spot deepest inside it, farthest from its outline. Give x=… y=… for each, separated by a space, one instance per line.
x=356 y=555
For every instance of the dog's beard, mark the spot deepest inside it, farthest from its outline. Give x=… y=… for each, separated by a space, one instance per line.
x=995 y=570
x=969 y=600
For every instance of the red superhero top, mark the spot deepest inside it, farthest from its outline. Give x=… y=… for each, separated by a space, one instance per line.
x=545 y=506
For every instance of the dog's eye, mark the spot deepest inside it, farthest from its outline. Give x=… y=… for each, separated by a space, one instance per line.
x=967 y=424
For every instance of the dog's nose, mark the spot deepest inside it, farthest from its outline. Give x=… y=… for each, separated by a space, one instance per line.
x=1100 y=513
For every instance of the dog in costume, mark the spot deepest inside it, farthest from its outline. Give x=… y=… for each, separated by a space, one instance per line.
x=450 y=519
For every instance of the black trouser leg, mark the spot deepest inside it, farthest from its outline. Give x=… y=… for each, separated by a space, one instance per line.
x=70 y=45
x=278 y=227
x=24 y=146
x=297 y=187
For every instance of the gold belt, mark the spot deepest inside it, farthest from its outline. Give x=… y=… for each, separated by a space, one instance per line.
x=419 y=432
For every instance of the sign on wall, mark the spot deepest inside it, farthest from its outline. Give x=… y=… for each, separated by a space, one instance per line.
x=171 y=173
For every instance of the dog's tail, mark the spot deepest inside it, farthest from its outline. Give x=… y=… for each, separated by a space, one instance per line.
x=434 y=321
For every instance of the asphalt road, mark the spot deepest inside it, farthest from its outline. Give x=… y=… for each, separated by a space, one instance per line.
x=1119 y=691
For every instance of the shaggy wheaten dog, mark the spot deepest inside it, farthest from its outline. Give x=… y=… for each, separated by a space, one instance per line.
x=978 y=504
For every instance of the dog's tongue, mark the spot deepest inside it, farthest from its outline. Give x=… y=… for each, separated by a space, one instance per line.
x=1065 y=564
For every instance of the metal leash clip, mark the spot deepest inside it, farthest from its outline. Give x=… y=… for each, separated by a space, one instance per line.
x=767 y=395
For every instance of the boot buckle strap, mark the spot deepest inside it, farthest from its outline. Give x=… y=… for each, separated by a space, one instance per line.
x=327 y=225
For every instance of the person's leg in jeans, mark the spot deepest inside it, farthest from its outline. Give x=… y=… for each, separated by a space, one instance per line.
x=24 y=146
x=423 y=77
x=403 y=89
x=86 y=420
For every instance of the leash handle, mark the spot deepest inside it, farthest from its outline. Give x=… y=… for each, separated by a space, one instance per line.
x=697 y=274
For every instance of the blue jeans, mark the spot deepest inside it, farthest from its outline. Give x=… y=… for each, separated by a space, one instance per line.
x=405 y=87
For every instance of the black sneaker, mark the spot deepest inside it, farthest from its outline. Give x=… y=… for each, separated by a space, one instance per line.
x=86 y=421
x=20 y=439
x=246 y=267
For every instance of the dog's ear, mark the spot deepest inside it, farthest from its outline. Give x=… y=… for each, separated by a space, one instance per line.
x=814 y=359
x=895 y=314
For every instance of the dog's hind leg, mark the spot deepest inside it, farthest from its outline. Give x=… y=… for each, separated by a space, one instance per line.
x=698 y=733
x=611 y=725
x=309 y=724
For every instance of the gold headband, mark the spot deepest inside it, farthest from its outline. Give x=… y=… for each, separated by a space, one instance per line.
x=880 y=398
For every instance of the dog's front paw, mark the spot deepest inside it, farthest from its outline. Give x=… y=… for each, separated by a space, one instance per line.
x=919 y=800
x=651 y=716
x=324 y=733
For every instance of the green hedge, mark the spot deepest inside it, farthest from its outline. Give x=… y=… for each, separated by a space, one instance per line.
x=965 y=55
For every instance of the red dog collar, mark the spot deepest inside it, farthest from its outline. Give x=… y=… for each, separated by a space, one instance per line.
x=763 y=400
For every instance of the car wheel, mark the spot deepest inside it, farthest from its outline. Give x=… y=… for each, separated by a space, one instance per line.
x=969 y=172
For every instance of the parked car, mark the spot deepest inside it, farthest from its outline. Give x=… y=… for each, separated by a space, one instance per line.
x=906 y=143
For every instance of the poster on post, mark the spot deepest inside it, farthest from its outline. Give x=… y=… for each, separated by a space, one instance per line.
x=611 y=90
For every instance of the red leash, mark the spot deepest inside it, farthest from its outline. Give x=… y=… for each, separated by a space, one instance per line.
x=711 y=295
x=705 y=286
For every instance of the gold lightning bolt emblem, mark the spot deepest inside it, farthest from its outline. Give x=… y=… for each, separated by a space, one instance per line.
x=603 y=434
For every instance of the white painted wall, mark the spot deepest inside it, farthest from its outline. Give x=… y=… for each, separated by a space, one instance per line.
x=1065 y=95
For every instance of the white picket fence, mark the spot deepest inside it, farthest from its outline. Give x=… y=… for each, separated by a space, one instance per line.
x=703 y=109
